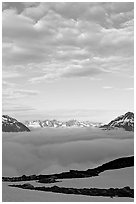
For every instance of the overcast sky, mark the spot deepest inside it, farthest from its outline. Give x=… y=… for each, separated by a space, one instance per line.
x=67 y=60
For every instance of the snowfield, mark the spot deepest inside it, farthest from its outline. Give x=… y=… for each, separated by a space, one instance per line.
x=113 y=178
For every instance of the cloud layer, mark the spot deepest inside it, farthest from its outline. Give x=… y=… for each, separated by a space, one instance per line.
x=53 y=150
x=59 y=42
x=75 y=37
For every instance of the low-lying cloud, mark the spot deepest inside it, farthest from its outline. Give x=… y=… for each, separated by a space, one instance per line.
x=51 y=150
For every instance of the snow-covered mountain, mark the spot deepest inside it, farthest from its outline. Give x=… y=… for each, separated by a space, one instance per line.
x=57 y=124
x=125 y=121
x=10 y=124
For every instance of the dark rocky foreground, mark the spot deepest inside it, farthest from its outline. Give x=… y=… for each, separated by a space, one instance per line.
x=111 y=192
x=115 y=164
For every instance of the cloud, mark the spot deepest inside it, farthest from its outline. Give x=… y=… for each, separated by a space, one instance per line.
x=80 y=68
x=118 y=7
x=107 y=87
x=16 y=109
x=30 y=4
x=82 y=72
x=13 y=93
x=129 y=89
x=26 y=92
x=6 y=84
x=101 y=13
x=64 y=148
x=35 y=12
x=64 y=70
x=11 y=106
x=66 y=35
x=10 y=74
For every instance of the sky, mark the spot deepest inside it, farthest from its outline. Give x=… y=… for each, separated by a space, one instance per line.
x=67 y=60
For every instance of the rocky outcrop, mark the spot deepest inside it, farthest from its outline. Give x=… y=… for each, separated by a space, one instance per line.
x=111 y=192
x=10 y=124
x=48 y=180
x=116 y=164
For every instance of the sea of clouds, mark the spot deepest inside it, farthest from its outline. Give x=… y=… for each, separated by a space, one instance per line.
x=52 y=150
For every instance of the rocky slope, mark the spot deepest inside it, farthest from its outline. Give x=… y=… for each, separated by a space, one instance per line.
x=10 y=124
x=63 y=124
x=125 y=121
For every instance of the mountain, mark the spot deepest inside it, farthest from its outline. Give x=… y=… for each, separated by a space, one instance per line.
x=62 y=124
x=10 y=124
x=125 y=121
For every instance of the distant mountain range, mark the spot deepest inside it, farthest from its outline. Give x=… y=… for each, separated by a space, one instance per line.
x=57 y=124
x=125 y=121
x=10 y=124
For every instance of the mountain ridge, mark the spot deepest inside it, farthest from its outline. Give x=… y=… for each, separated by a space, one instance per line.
x=10 y=124
x=125 y=121
x=56 y=123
